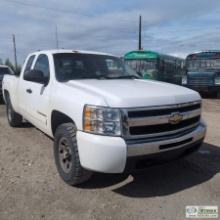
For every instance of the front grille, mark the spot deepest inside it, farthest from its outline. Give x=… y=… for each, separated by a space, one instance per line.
x=150 y=129
x=153 y=112
x=154 y=122
x=203 y=81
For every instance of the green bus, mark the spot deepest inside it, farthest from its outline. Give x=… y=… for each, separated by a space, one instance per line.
x=157 y=66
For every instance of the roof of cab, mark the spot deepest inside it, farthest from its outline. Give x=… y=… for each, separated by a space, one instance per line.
x=55 y=51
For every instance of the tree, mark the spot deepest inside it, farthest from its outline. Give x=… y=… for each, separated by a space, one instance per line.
x=9 y=63
x=1 y=61
x=16 y=70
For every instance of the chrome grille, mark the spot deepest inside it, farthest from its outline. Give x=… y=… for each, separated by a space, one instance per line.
x=154 y=122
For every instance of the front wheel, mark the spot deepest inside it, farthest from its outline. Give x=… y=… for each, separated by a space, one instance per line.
x=67 y=156
x=14 y=119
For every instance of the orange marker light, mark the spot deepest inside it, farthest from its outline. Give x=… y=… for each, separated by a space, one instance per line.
x=88 y=112
x=87 y=118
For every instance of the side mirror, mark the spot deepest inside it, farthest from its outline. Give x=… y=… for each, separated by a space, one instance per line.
x=35 y=76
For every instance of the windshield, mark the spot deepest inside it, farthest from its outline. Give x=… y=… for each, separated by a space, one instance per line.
x=142 y=65
x=147 y=68
x=203 y=64
x=70 y=66
x=4 y=70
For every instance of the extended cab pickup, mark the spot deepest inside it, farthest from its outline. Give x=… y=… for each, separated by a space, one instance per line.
x=101 y=115
x=3 y=71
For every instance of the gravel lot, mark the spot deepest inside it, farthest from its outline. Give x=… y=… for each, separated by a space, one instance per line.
x=30 y=187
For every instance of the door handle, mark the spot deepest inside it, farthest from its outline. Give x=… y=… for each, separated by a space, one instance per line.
x=29 y=91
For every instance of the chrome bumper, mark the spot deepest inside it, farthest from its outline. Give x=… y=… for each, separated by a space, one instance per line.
x=141 y=149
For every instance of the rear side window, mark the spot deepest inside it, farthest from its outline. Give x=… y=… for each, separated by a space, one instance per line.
x=42 y=64
x=29 y=63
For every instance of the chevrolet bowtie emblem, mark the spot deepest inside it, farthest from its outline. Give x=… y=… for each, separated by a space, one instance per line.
x=175 y=118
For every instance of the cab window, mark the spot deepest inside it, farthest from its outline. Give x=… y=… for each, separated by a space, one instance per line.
x=42 y=64
x=29 y=63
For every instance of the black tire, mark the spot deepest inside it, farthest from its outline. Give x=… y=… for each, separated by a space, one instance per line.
x=67 y=157
x=218 y=95
x=14 y=119
x=1 y=100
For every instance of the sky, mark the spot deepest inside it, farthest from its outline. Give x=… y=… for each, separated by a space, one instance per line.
x=169 y=26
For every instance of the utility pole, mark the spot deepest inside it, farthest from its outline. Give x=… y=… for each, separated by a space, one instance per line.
x=140 y=32
x=57 y=41
x=15 y=51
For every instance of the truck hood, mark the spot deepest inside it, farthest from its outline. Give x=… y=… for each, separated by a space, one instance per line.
x=135 y=93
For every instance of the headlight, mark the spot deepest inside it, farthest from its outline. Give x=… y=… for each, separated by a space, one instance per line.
x=184 y=80
x=217 y=80
x=102 y=120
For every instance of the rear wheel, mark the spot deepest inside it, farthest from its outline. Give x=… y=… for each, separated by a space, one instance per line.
x=14 y=119
x=1 y=100
x=218 y=95
x=67 y=156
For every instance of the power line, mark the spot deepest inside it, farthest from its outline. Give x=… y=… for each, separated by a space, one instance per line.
x=45 y=8
x=57 y=10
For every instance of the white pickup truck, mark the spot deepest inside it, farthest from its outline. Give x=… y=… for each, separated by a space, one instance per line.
x=102 y=116
x=3 y=71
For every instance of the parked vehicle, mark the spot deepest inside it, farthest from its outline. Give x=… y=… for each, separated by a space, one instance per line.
x=102 y=116
x=3 y=70
x=153 y=65
x=203 y=72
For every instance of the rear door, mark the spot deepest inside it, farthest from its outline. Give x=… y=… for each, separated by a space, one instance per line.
x=24 y=97
x=36 y=95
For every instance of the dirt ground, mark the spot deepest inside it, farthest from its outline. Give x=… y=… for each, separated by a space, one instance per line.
x=30 y=187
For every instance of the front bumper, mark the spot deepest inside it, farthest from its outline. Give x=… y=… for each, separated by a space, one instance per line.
x=111 y=154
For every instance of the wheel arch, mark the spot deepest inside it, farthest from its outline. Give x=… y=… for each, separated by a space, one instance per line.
x=6 y=95
x=58 y=118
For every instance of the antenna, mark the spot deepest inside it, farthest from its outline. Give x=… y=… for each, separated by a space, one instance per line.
x=57 y=41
